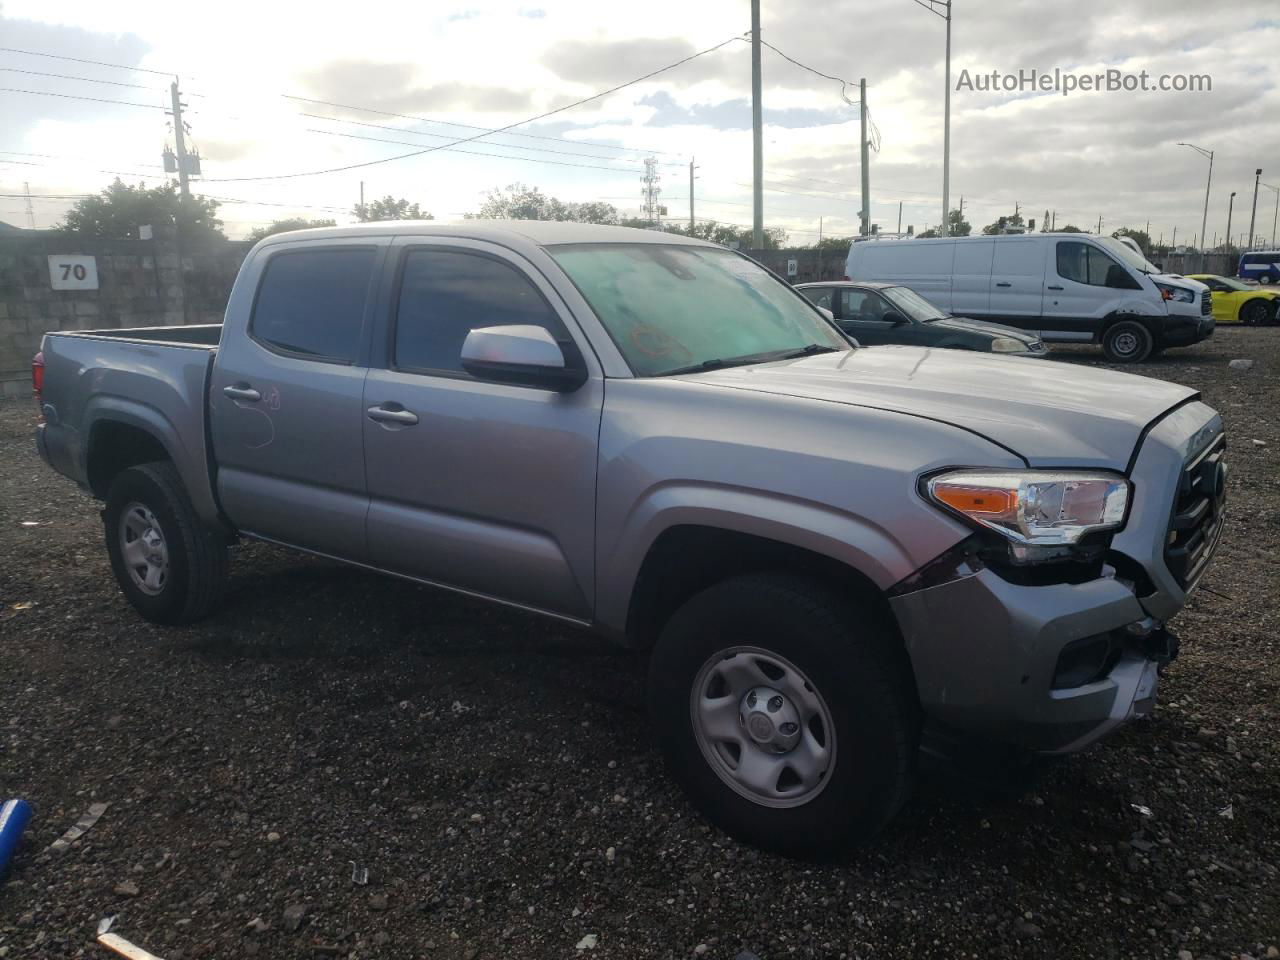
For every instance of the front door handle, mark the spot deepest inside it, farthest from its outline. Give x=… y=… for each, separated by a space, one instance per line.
x=242 y=392
x=396 y=414
x=1004 y=283
x=1054 y=286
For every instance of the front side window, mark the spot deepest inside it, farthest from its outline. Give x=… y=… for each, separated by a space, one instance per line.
x=1084 y=263
x=671 y=307
x=445 y=294
x=311 y=303
x=859 y=305
x=911 y=305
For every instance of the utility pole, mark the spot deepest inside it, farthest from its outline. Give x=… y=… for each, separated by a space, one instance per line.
x=899 y=218
x=1054 y=222
x=757 y=134
x=361 y=195
x=866 y=160
x=691 y=169
x=1231 y=202
x=179 y=140
x=31 y=214
x=1099 y=224
x=942 y=8
x=1174 y=241
x=1253 y=217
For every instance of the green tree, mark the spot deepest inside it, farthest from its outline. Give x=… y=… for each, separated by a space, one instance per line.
x=998 y=227
x=1070 y=228
x=834 y=244
x=119 y=210
x=957 y=225
x=775 y=238
x=928 y=234
x=284 y=226
x=1141 y=237
x=389 y=208
x=518 y=201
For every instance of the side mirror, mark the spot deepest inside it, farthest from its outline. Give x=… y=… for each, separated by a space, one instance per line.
x=827 y=313
x=895 y=318
x=520 y=354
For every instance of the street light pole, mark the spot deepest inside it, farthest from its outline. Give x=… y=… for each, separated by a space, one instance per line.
x=1204 y=222
x=1276 y=219
x=1231 y=202
x=757 y=134
x=942 y=8
x=1253 y=217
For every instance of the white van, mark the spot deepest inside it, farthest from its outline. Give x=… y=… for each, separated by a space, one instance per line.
x=1067 y=287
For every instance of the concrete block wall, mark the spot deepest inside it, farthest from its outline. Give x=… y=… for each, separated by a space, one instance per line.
x=141 y=283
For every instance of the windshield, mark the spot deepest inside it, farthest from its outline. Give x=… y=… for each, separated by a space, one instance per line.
x=673 y=308
x=911 y=305
x=1125 y=254
x=1235 y=284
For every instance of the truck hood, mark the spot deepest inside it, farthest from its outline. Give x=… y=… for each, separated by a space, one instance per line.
x=1053 y=414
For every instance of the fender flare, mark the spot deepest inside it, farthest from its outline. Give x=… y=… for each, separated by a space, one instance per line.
x=854 y=541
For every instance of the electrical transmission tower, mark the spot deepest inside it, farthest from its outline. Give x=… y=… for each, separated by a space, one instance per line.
x=652 y=210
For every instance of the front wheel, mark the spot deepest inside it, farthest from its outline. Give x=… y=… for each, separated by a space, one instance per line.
x=170 y=566
x=1127 y=342
x=785 y=714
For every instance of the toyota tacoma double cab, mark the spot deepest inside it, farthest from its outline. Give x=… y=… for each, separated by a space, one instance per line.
x=829 y=551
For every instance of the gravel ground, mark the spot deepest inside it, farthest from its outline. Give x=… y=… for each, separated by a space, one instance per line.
x=494 y=775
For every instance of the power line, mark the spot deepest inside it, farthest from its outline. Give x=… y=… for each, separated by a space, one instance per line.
x=65 y=76
x=826 y=76
x=541 y=116
x=451 y=123
x=474 y=153
x=441 y=136
x=74 y=96
x=96 y=63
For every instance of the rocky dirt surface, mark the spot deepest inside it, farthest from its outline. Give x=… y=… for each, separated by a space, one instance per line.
x=493 y=773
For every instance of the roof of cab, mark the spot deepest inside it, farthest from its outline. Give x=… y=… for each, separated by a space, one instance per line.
x=536 y=232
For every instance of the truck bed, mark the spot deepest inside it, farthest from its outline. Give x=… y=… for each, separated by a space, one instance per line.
x=152 y=378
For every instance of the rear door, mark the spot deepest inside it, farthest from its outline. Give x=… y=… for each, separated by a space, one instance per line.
x=286 y=391
x=1017 y=282
x=489 y=488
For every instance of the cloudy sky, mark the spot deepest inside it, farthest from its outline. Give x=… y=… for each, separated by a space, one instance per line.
x=408 y=76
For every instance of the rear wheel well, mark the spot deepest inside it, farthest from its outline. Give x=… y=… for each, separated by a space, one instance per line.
x=687 y=559
x=115 y=447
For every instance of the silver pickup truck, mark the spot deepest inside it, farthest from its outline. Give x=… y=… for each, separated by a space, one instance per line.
x=830 y=551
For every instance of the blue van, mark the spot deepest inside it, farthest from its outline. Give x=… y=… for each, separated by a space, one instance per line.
x=1260 y=265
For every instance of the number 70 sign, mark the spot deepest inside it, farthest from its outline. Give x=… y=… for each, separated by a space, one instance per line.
x=73 y=272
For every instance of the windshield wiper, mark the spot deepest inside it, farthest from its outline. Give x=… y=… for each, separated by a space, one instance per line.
x=719 y=363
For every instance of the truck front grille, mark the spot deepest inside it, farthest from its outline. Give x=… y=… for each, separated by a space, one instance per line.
x=1206 y=303
x=1199 y=510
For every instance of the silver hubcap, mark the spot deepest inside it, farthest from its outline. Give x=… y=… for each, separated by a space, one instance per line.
x=142 y=546
x=763 y=727
x=1126 y=343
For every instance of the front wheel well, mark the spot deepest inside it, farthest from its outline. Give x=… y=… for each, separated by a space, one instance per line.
x=687 y=559
x=115 y=447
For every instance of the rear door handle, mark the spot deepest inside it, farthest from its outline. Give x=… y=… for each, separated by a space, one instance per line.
x=393 y=414
x=1004 y=283
x=1054 y=287
x=242 y=392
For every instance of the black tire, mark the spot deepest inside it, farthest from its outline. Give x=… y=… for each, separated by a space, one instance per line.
x=1127 y=341
x=862 y=678
x=1265 y=279
x=196 y=569
x=1256 y=313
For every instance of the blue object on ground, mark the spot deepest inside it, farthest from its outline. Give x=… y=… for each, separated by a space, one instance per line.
x=14 y=817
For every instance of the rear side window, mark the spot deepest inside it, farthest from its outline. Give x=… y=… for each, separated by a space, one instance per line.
x=1083 y=263
x=819 y=296
x=445 y=294
x=311 y=303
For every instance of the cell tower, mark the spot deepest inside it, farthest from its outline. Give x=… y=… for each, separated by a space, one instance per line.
x=652 y=210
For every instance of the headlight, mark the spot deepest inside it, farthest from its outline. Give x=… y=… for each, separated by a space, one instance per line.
x=1034 y=508
x=1007 y=345
x=1180 y=294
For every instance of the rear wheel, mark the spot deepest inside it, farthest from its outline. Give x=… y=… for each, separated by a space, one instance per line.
x=1265 y=278
x=1127 y=341
x=1255 y=313
x=170 y=566
x=785 y=714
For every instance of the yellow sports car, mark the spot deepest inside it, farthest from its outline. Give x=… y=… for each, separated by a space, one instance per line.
x=1234 y=301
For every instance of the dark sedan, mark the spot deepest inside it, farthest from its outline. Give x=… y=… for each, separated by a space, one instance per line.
x=877 y=313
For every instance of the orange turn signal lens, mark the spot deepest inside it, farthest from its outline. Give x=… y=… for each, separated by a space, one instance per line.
x=977 y=500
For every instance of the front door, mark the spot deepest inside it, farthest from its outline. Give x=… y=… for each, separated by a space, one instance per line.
x=484 y=487
x=862 y=316
x=1076 y=296
x=285 y=396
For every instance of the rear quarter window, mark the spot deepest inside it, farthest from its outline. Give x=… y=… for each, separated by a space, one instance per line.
x=311 y=303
